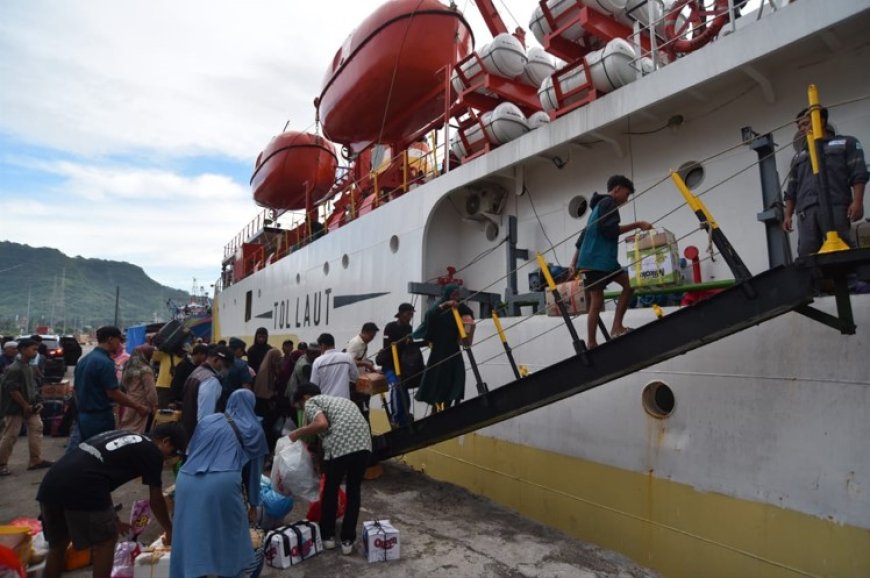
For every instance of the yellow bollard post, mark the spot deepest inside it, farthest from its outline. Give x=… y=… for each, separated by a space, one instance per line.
x=815 y=146
x=507 y=348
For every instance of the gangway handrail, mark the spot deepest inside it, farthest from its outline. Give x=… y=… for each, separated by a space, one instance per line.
x=774 y=293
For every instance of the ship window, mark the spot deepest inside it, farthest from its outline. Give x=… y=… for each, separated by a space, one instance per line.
x=298 y=278
x=693 y=173
x=249 y=302
x=326 y=268
x=578 y=206
x=345 y=261
x=658 y=399
x=394 y=244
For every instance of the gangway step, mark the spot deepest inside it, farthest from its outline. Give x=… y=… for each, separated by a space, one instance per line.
x=772 y=293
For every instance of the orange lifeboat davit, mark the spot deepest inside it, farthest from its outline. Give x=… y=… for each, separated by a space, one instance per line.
x=387 y=82
x=293 y=166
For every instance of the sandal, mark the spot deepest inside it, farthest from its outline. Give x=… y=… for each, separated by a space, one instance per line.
x=4 y=471
x=41 y=465
x=622 y=332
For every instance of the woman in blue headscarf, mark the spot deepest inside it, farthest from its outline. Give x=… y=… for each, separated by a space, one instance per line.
x=444 y=378
x=210 y=525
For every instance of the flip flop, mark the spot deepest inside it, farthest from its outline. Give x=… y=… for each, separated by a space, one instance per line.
x=41 y=465
x=621 y=333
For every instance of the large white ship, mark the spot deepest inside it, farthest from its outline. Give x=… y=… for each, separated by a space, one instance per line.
x=758 y=462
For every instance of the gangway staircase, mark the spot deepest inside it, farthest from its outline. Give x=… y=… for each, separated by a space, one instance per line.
x=752 y=301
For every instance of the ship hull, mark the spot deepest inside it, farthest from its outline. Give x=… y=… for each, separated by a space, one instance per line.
x=762 y=468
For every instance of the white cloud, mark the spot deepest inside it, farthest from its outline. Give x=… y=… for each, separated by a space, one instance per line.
x=155 y=219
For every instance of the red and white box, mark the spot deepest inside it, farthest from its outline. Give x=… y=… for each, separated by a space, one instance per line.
x=289 y=545
x=380 y=541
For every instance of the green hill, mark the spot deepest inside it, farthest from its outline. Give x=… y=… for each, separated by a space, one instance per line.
x=88 y=291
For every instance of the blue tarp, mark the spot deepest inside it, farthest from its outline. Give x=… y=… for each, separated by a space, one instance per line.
x=135 y=337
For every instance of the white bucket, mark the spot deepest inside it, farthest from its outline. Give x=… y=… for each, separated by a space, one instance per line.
x=540 y=65
x=506 y=123
x=504 y=56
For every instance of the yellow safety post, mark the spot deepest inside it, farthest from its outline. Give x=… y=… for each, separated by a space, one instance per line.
x=397 y=368
x=507 y=348
x=735 y=263
x=815 y=143
x=579 y=344
x=463 y=338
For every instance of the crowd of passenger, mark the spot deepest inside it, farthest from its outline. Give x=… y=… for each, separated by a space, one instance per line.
x=221 y=408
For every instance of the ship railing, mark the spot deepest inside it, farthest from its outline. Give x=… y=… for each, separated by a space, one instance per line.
x=660 y=49
x=248 y=232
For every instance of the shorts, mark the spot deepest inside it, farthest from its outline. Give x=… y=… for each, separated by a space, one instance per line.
x=593 y=280
x=85 y=528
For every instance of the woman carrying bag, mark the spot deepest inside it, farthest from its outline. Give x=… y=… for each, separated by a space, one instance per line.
x=211 y=524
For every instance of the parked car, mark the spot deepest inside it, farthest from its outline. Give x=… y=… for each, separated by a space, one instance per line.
x=54 y=368
x=72 y=350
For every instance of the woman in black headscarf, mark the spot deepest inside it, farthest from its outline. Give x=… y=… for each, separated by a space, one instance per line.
x=444 y=379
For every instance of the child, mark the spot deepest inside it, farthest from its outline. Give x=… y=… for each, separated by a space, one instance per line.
x=596 y=255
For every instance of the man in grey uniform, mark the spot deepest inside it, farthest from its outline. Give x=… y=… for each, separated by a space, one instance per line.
x=847 y=176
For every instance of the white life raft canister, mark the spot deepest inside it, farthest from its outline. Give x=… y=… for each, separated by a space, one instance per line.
x=506 y=123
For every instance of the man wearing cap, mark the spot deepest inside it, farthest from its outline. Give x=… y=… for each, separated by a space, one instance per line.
x=333 y=371
x=96 y=386
x=597 y=251
x=20 y=403
x=203 y=389
x=238 y=374
x=397 y=332
x=183 y=370
x=847 y=177
x=75 y=497
x=10 y=350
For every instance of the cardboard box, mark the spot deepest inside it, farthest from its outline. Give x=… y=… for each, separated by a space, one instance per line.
x=372 y=383
x=380 y=541
x=60 y=390
x=573 y=296
x=653 y=259
x=289 y=545
x=153 y=561
x=167 y=416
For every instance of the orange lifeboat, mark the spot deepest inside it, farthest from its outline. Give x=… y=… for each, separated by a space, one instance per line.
x=293 y=166
x=387 y=82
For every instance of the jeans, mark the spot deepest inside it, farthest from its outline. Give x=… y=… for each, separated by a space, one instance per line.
x=354 y=467
x=91 y=424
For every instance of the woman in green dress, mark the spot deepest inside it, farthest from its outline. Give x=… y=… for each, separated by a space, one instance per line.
x=444 y=378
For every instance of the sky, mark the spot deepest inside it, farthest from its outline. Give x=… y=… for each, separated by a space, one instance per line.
x=129 y=128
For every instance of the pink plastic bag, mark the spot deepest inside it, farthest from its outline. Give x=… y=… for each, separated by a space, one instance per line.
x=140 y=517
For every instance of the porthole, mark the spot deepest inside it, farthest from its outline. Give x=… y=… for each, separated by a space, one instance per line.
x=298 y=278
x=345 y=261
x=394 y=244
x=658 y=399
x=692 y=173
x=578 y=206
x=326 y=268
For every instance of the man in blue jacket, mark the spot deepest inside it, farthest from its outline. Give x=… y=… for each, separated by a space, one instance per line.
x=596 y=255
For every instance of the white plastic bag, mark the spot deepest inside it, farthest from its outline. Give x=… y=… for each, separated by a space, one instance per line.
x=125 y=554
x=293 y=471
